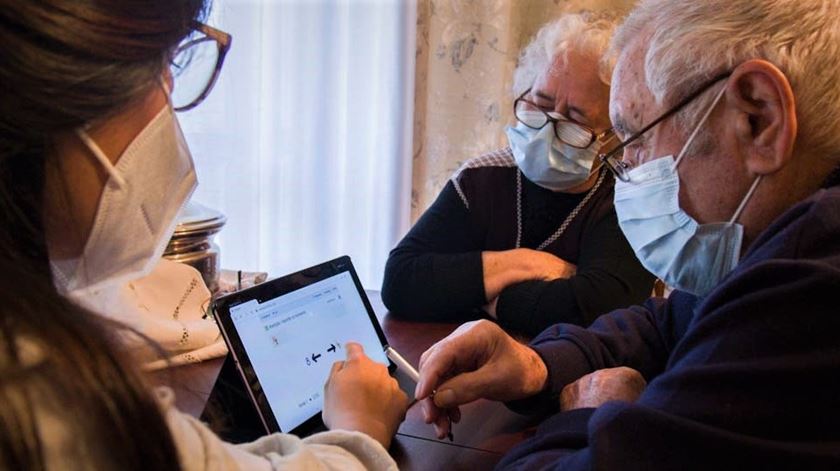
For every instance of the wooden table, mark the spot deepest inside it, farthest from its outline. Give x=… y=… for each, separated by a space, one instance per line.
x=486 y=431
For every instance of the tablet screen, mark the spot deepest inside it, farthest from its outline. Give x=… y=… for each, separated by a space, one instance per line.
x=292 y=341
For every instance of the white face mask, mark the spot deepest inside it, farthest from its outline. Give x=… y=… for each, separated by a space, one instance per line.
x=137 y=212
x=667 y=241
x=548 y=161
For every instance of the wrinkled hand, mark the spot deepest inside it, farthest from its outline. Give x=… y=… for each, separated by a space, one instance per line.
x=548 y=267
x=477 y=360
x=509 y=267
x=361 y=396
x=610 y=384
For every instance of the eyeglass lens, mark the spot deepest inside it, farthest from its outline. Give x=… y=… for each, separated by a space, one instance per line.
x=567 y=131
x=192 y=69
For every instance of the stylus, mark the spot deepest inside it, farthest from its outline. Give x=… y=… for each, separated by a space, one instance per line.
x=402 y=363
x=412 y=373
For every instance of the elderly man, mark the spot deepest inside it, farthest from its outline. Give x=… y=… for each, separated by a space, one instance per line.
x=529 y=232
x=729 y=112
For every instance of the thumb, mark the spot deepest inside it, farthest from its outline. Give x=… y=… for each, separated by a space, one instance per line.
x=464 y=388
x=355 y=351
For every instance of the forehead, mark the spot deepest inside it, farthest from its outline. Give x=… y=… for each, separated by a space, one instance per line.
x=573 y=61
x=573 y=72
x=631 y=102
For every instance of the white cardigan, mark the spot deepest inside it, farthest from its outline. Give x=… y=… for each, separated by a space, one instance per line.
x=201 y=449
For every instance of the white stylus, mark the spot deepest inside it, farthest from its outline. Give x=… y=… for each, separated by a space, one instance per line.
x=402 y=364
x=412 y=373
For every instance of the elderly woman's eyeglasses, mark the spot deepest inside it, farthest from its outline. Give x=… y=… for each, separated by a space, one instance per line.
x=196 y=64
x=570 y=132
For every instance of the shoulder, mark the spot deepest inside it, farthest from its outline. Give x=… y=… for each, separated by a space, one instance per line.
x=482 y=171
x=500 y=158
x=810 y=229
x=795 y=260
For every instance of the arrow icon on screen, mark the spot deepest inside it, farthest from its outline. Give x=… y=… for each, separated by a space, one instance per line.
x=332 y=348
x=315 y=357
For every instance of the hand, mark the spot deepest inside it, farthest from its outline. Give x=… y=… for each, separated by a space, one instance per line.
x=360 y=395
x=478 y=360
x=547 y=267
x=509 y=267
x=610 y=384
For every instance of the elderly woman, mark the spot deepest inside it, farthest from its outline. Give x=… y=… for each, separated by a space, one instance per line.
x=529 y=232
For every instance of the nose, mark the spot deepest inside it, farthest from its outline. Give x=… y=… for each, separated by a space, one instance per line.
x=632 y=156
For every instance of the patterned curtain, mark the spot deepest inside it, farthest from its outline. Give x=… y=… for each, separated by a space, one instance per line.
x=466 y=54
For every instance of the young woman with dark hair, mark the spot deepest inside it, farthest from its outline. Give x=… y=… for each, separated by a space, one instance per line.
x=93 y=170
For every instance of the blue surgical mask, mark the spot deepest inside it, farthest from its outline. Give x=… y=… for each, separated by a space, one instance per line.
x=548 y=161
x=667 y=241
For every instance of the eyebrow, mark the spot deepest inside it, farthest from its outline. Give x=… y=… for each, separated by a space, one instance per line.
x=543 y=96
x=580 y=112
x=572 y=109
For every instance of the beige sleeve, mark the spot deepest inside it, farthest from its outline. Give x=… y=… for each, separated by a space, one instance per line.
x=201 y=449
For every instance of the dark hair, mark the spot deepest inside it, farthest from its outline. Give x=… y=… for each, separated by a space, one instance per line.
x=66 y=63
x=66 y=393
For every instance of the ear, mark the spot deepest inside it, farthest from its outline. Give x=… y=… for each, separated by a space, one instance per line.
x=760 y=96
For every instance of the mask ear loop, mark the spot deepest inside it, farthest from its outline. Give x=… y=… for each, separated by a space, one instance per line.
x=167 y=91
x=745 y=200
x=697 y=128
x=101 y=157
x=97 y=151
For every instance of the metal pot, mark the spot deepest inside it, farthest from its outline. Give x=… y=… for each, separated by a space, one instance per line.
x=192 y=243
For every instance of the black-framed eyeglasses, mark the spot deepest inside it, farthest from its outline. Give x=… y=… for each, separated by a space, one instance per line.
x=618 y=167
x=572 y=133
x=196 y=64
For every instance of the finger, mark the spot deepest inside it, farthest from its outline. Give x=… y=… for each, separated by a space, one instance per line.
x=437 y=363
x=430 y=411
x=425 y=355
x=442 y=425
x=336 y=367
x=467 y=387
x=355 y=351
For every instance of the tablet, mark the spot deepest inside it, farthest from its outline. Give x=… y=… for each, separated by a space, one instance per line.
x=285 y=335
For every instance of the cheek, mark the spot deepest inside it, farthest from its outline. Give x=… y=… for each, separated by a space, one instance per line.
x=707 y=183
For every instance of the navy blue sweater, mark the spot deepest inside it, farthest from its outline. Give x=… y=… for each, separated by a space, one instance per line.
x=748 y=377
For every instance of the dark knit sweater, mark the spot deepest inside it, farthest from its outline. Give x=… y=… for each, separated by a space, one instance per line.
x=746 y=378
x=435 y=272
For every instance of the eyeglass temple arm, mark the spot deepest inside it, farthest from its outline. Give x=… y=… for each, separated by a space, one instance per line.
x=662 y=117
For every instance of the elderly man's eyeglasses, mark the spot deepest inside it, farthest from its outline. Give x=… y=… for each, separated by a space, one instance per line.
x=196 y=64
x=572 y=133
x=612 y=159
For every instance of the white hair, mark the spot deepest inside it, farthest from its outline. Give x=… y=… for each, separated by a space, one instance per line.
x=585 y=31
x=692 y=41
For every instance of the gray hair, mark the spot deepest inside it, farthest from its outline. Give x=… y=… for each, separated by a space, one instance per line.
x=585 y=31
x=692 y=41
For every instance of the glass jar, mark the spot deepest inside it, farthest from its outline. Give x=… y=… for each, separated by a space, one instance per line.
x=192 y=243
